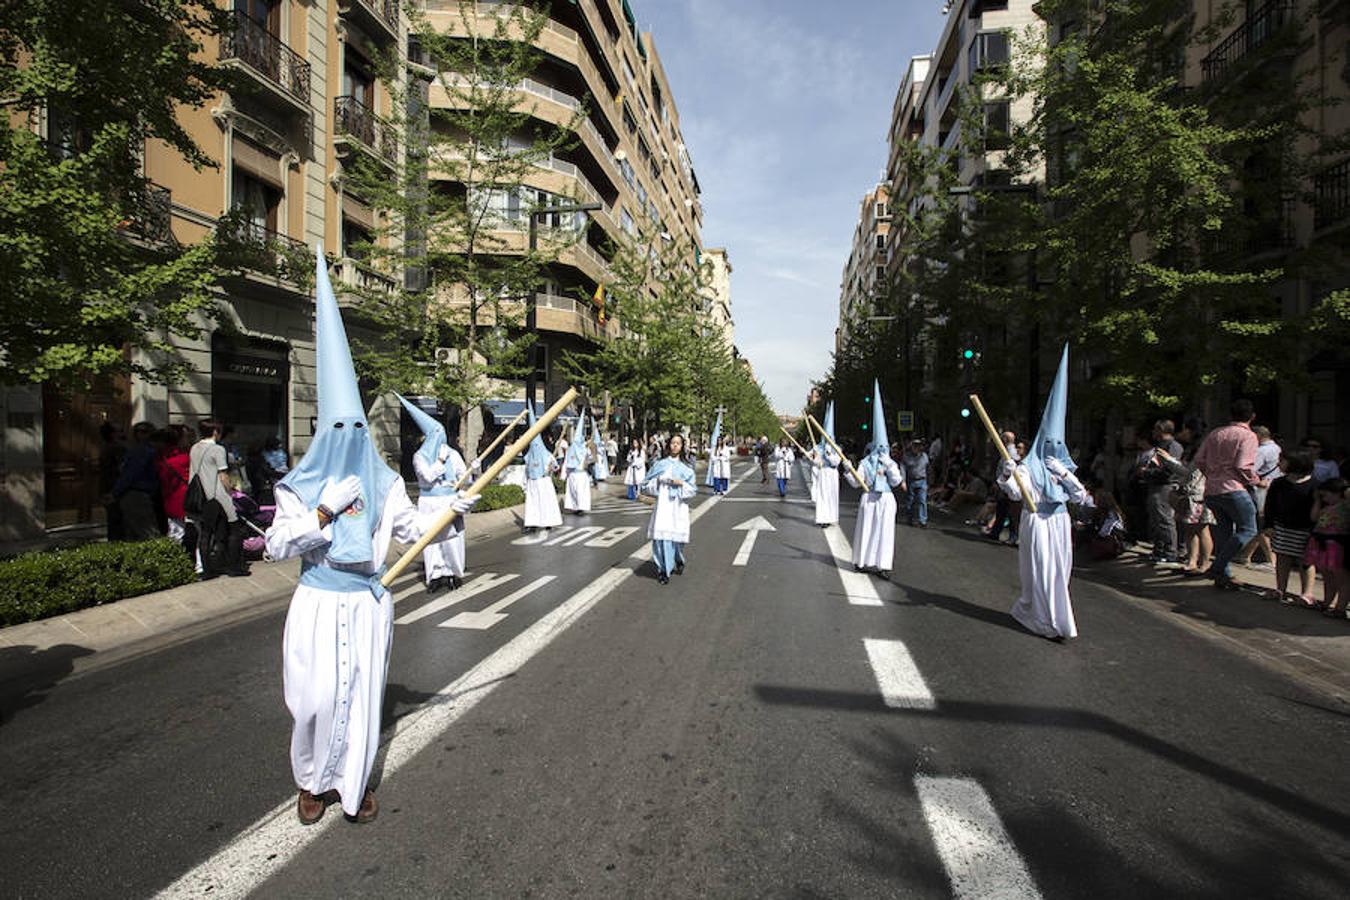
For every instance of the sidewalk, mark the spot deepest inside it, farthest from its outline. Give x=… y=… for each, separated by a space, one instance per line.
x=1299 y=642
x=50 y=649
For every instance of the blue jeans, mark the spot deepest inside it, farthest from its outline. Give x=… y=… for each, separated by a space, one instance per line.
x=782 y=487
x=666 y=555
x=1234 y=526
x=917 y=496
x=632 y=492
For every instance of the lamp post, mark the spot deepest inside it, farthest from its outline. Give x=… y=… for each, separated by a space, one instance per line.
x=531 y=320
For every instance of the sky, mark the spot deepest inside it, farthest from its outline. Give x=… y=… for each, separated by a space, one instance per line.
x=785 y=106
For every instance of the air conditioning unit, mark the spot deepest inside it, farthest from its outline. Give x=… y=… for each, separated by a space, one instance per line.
x=445 y=356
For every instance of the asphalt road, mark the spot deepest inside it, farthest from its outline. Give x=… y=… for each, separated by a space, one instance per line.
x=756 y=730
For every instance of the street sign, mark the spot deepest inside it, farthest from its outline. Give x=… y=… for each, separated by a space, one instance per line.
x=904 y=420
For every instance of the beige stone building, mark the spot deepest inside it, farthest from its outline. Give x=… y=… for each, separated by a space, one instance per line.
x=719 y=294
x=864 y=280
x=311 y=102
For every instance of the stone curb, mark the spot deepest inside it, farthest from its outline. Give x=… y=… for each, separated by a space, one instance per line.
x=137 y=624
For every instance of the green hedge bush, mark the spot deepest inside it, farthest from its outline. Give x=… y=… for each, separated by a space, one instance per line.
x=500 y=496
x=38 y=585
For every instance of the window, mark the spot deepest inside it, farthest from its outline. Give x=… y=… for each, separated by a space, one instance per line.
x=989 y=50
x=266 y=13
x=257 y=202
x=626 y=222
x=881 y=211
x=881 y=275
x=996 y=126
x=357 y=82
x=881 y=242
x=628 y=121
x=355 y=240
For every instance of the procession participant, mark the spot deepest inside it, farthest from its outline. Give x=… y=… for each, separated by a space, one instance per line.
x=337 y=510
x=602 y=457
x=783 y=458
x=577 y=498
x=611 y=448
x=825 y=475
x=1045 y=553
x=671 y=481
x=439 y=468
x=541 y=498
x=719 y=464
x=874 y=533
x=713 y=477
x=560 y=447
x=636 y=472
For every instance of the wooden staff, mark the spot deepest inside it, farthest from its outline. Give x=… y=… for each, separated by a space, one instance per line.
x=856 y=474
x=434 y=532
x=492 y=446
x=1003 y=451
x=805 y=452
x=810 y=432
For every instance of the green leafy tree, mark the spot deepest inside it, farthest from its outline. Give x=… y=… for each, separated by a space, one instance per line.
x=94 y=284
x=459 y=210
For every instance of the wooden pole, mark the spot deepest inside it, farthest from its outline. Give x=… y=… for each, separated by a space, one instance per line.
x=805 y=452
x=810 y=432
x=856 y=474
x=1003 y=451
x=434 y=532
x=493 y=446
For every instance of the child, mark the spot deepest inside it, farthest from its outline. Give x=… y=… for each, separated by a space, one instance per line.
x=1326 y=547
x=1289 y=512
x=1107 y=539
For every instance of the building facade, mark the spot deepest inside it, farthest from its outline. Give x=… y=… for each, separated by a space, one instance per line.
x=719 y=294
x=864 y=280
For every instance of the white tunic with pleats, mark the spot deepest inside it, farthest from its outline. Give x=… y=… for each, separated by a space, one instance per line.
x=720 y=461
x=1045 y=560
x=874 y=533
x=637 y=468
x=783 y=458
x=336 y=651
x=446 y=557
x=825 y=487
x=541 y=502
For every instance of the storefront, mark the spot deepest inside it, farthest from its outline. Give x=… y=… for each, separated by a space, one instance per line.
x=250 y=388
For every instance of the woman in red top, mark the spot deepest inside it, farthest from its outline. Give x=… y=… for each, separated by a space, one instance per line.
x=171 y=460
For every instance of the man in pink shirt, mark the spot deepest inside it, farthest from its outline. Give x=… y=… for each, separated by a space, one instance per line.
x=1228 y=460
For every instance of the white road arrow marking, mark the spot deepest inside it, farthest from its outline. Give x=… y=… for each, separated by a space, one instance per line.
x=481 y=621
x=538 y=537
x=752 y=527
x=484 y=582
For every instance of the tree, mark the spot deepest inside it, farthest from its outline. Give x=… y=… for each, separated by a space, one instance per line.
x=94 y=284
x=459 y=210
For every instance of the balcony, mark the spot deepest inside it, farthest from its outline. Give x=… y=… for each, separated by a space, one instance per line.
x=278 y=70
x=254 y=248
x=151 y=219
x=360 y=278
x=1260 y=27
x=572 y=316
x=354 y=121
x=1331 y=196
x=377 y=18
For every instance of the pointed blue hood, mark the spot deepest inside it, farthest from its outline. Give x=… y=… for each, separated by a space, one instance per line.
x=342 y=444
x=433 y=432
x=881 y=444
x=538 y=460
x=823 y=446
x=1050 y=437
x=716 y=433
x=576 y=451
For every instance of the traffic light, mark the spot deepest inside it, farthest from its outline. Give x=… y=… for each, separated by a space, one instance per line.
x=968 y=353
x=965 y=412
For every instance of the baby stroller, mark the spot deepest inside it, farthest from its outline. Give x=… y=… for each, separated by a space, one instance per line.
x=256 y=519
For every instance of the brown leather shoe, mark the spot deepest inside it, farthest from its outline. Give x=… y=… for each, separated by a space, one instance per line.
x=369 y=808
x=309 y=808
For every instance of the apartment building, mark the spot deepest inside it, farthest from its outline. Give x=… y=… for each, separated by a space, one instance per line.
x=719 y=293
x=631 y=158
x=864 y=280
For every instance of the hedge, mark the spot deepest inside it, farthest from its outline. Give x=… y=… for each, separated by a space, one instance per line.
x=38 y=585
x=500 y=496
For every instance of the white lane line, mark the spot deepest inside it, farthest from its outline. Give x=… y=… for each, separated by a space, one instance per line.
x=902 y=685
x=980 y=859
x=775 y=499
x=485 y=582
x=858 y=587
x=485 y=619
x=268 y=844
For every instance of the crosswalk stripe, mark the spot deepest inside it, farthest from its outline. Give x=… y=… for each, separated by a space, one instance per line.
x=976 y=851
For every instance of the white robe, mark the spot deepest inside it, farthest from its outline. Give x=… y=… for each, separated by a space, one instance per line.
x=825 y=487
x=445 y=557
x=637 y=468
x=578 y=493
x=720 y=461
x=541 y=502
x=670 y=515
x=1045 y=560
x=336 y=651
x=782 y=462
x=874 y=533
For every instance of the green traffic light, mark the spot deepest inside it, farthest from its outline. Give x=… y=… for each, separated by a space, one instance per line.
x=864 y=426
x=968 y=353
x=965 y=414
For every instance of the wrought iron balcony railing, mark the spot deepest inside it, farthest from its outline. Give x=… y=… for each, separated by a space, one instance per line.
x=252 y=44
x=354 y=119
x=1331 y=196
x=152 y=215
x=1259 y=28
x=248 y=244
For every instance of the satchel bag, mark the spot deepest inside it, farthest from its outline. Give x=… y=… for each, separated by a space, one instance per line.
x=194 y=501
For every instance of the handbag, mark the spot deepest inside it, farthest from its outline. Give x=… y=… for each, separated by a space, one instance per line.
x=194 y=501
